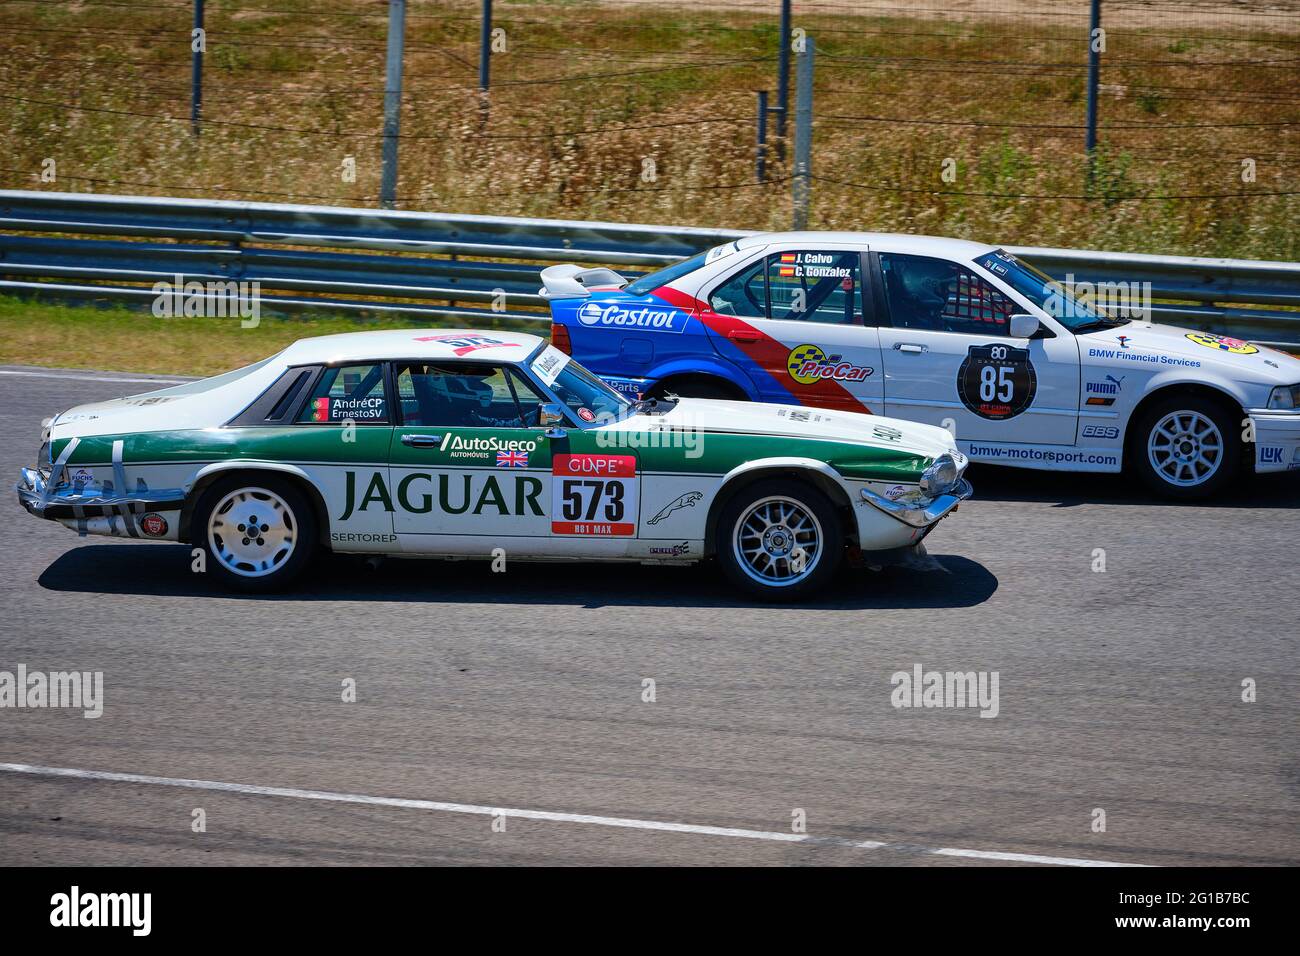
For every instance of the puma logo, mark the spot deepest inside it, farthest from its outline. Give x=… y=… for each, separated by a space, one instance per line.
x=687 y=500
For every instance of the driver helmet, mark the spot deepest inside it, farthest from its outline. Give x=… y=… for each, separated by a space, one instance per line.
x=925 y=279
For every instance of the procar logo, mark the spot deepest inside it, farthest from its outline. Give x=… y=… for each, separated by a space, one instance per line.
x=808 y=364
x=646 y=318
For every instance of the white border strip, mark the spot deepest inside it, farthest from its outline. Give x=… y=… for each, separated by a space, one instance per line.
x=626 y=823
x=91 y=377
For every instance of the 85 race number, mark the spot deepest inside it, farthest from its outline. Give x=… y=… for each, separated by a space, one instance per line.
x=996 y=381
x=594 y=495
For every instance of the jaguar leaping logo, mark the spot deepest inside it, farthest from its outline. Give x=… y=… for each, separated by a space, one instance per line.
x=687 y=500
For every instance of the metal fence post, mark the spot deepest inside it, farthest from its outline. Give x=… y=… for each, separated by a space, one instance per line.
x=485 y=48
x=803 y=134
x=760 y=149
x=392 y=101
x=196 y=68
x=783 y=79
x=1094 y=69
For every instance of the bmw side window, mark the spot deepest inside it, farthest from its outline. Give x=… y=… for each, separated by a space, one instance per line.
x=744 y=295
x=348 y=393
x=815 y=286
x=922 y=292
x=465 y=395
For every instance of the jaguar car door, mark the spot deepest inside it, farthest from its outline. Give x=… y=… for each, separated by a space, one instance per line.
x=470 y=463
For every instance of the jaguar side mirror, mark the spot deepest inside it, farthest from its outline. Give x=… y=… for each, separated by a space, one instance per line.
x=1024 y=326
x=551 y=417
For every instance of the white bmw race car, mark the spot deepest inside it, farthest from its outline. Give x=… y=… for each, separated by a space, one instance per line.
x=958 y=334
x=485 y=444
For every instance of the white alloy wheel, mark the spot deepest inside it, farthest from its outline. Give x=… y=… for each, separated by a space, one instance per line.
x=253 y=532
x=1185 y=448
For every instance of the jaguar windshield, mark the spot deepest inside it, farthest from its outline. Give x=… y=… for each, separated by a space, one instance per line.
x=586 y=396
x=1067 y=303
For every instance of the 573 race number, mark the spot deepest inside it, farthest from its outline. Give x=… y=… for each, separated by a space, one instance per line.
x=594 y=495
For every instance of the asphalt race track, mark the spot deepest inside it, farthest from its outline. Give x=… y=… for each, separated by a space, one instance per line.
x=522 y=692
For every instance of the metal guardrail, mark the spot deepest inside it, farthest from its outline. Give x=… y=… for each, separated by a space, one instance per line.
x=371 y=260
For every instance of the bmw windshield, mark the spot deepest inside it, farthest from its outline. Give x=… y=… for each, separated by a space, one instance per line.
x=1077 y=313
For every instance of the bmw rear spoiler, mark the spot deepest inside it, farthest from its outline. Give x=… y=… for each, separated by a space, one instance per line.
x=569 y=281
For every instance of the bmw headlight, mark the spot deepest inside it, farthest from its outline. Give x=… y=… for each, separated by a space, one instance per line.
x=940 y=477
x=1284 y=397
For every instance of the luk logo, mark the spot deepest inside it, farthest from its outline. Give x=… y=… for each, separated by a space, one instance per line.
x=133 y=910
x=1270 y=454
x=808 y=364
x=649 y=319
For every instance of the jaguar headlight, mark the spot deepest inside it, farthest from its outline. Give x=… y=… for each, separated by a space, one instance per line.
x=940 y=478
x=1284 y=397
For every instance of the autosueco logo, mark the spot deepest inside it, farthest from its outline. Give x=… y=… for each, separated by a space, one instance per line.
x=459 y=445
x=75 y=908
x=650 y=319
x=57 y=689
x=956 y=689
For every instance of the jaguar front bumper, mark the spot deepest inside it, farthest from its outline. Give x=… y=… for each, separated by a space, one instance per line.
x=918 y=514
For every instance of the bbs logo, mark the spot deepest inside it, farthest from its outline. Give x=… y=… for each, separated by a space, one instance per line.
x=996 y=381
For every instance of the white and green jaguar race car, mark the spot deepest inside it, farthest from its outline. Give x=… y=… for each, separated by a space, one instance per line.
x=493 y=444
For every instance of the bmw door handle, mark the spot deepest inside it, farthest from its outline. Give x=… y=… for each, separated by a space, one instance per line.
x=743 y=335
x=910 y=347
x=422 y=441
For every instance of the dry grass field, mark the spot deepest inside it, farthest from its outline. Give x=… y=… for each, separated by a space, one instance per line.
x=588 y=97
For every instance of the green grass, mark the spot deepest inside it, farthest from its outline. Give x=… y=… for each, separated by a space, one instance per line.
x=119 y=339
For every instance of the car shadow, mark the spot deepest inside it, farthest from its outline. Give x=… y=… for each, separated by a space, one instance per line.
x=1069 y=489
x=164 y=571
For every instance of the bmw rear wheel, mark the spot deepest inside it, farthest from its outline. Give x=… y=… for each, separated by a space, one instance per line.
x=779 y=539
x=1186 y=447
x=259 y=532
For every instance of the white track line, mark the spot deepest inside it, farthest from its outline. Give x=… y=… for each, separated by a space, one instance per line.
x=626 y=823
x=95 y=378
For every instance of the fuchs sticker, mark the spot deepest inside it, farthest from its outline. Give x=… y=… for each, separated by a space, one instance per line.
x=462 y=343
x=594 y=495
x=153 y=525
x=996 y=382
x=1223 y=343
x=808 y=364
x=645 y=318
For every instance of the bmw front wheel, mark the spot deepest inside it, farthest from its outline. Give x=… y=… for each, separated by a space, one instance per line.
x=1186 y=447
